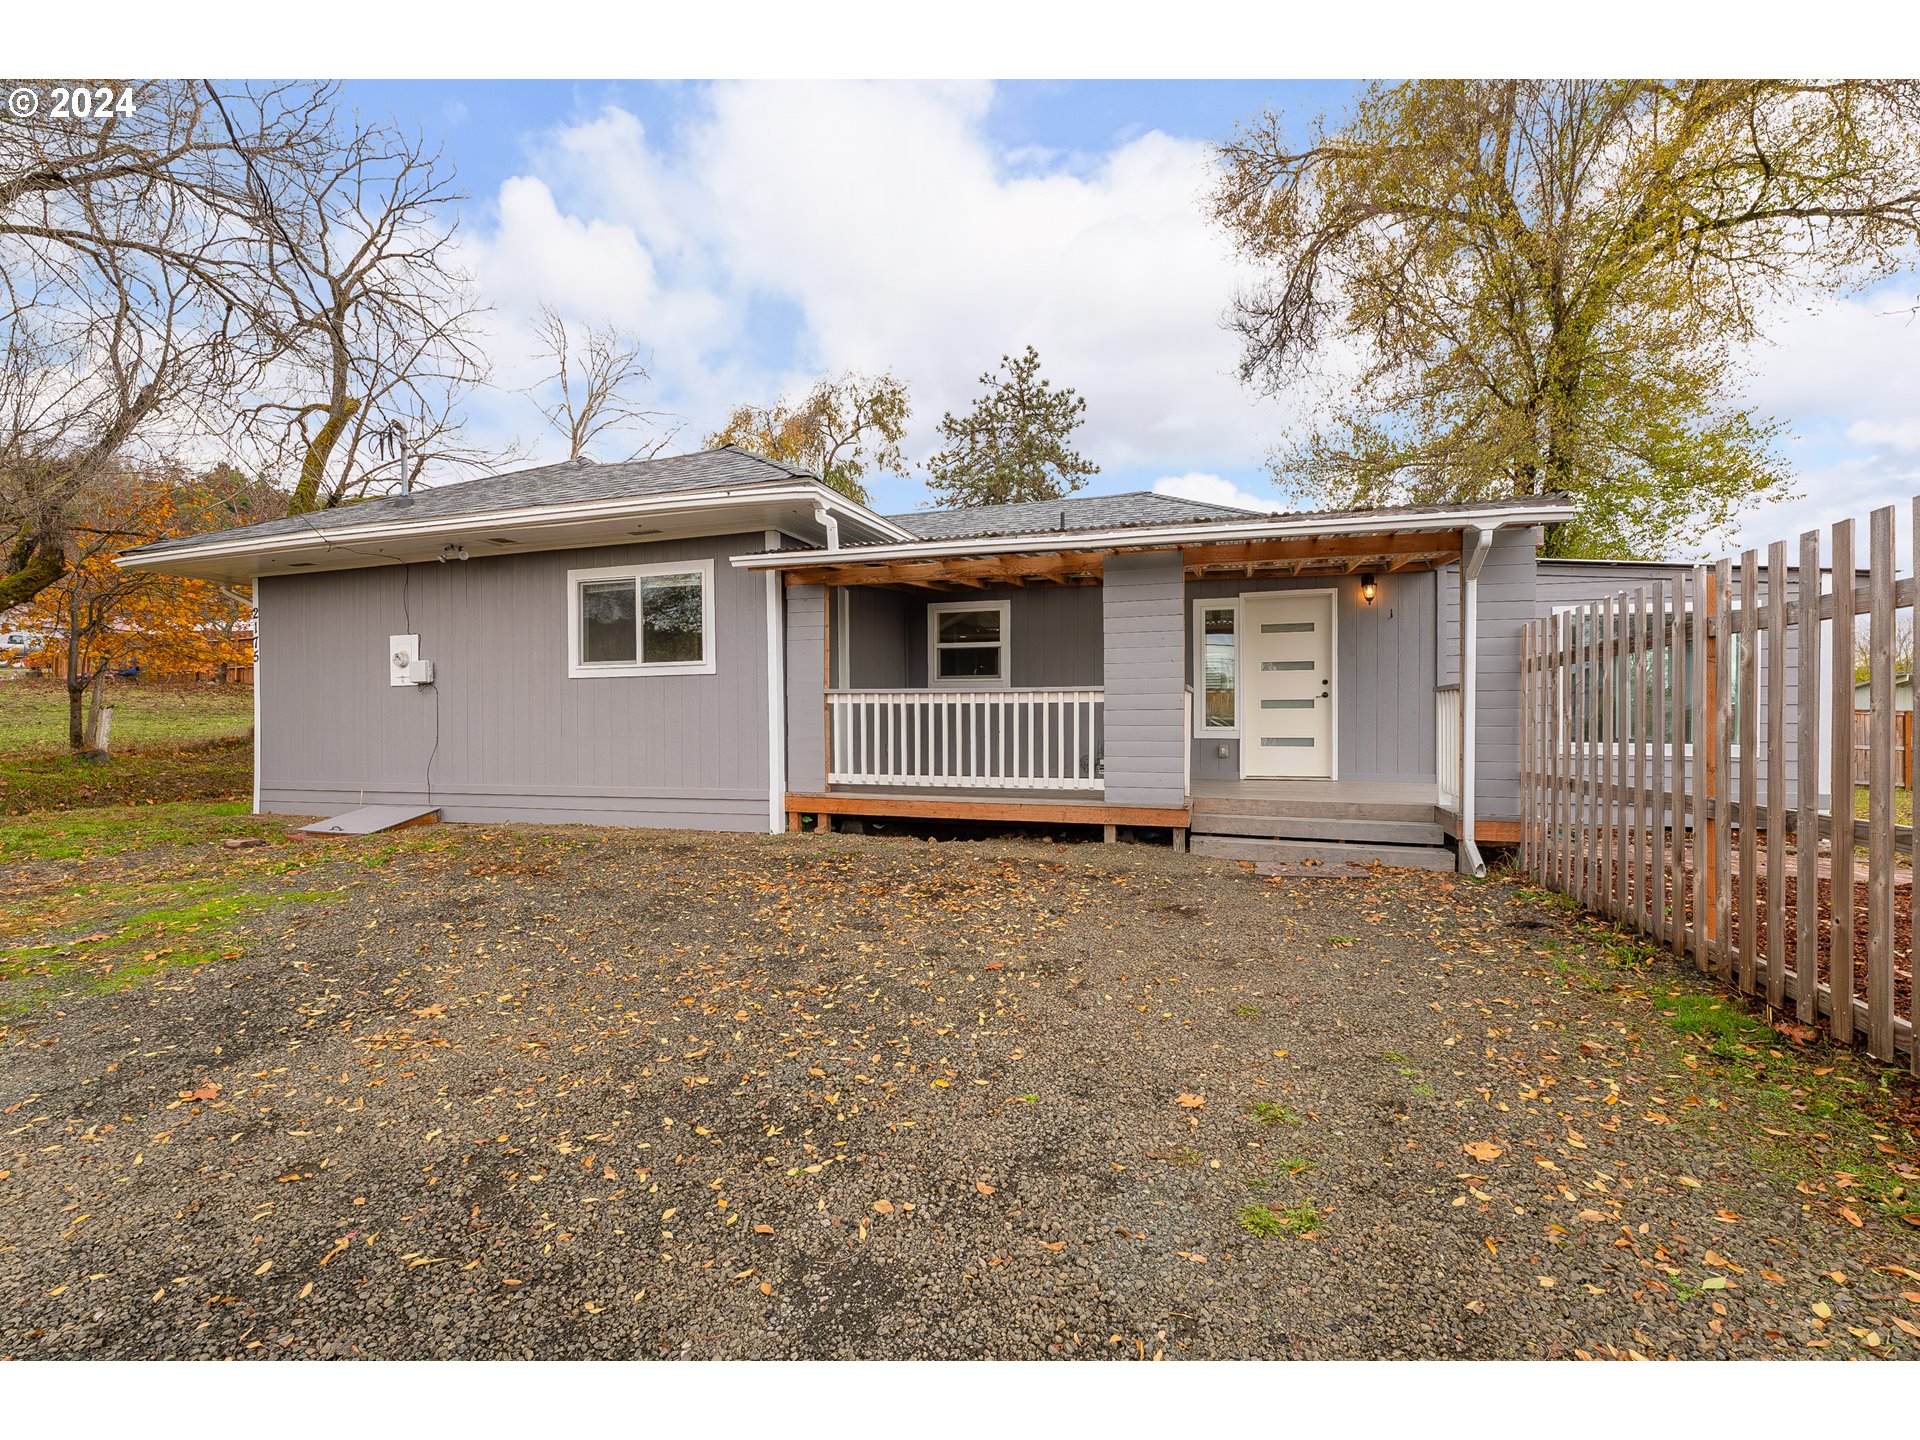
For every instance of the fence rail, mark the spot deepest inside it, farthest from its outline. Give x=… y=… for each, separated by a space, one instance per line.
x=968 y=739
x=1675 y=779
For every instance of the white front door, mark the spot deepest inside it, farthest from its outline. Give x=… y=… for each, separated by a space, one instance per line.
x=1286 y=648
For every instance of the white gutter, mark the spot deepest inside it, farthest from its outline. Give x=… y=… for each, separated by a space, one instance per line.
x=1162 y=536
x=820 y=496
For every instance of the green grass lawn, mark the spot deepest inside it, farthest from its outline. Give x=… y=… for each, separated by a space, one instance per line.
x=1902 y=805
x=33 y=713
x=170 y=743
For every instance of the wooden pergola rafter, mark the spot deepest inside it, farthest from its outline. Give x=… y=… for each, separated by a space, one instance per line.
x=1306 y=555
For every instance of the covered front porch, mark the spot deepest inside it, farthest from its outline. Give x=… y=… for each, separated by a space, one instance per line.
x=1277 y=691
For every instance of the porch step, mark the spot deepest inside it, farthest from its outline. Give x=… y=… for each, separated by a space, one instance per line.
x=1298 y=827
x=1411 y=857
x=1302 y=807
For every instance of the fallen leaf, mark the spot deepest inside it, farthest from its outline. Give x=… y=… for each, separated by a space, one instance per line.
x=885 y=1207
x=763 y=1230
x=1483 y=1150
x=1190 y=1102
x=983 y=1187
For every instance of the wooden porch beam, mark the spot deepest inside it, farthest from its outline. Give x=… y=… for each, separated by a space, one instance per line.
x=1327 y=547
x=982 y=569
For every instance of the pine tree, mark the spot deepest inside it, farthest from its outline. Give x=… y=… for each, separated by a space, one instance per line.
x=1014 y=444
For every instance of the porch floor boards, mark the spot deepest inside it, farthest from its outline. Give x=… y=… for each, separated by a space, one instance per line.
x=1395 y=801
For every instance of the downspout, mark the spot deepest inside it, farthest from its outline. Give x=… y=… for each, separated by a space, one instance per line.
x=828 y=522
x=1475 y=544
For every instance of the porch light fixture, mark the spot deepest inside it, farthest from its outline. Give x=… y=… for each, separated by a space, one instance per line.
x=1368 y=589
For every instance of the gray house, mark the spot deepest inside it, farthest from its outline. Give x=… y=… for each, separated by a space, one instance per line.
x=716 y=641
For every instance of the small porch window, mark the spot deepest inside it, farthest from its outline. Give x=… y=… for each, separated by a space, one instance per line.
x=967 y=644
x=641 y=620
x=1216 y=667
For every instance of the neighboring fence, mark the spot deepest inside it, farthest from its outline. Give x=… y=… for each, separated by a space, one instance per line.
x=968 y=739
x=1657 y=759
x=1902 y=745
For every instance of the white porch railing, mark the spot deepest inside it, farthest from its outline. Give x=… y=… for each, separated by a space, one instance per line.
x=967 y=739
x=1446 y=751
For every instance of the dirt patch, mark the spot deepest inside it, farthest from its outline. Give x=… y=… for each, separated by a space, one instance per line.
x=584 y=1093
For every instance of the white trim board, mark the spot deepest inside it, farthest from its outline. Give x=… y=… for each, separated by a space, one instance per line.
x=776 y=699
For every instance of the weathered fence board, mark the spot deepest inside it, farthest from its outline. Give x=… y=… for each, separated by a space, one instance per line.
x=1806 y=978
x=1840 y=793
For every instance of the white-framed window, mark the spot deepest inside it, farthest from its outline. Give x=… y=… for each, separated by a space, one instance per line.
x=641 y=620
x=968 y=645
x=1216 y=668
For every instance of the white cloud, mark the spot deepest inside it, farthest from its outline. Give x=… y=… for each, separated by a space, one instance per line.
x=778 y=231
x=1214 y=490
x=880 y=224
x=1901 y=435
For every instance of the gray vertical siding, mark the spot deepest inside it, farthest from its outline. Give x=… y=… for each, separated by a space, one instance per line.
x=1508 y=601
x=806 y=688
x=1383 y=674
x=1143 y=621
x=1507 y=604
x=1055 y=632
x=508 y=735
x=877 y=647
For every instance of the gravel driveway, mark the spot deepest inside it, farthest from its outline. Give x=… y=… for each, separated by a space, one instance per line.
x=558 y=1093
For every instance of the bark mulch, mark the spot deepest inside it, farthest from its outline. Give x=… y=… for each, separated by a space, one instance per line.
x=1902 y=924
x=559 y=1093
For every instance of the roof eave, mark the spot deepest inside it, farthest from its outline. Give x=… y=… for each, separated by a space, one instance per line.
x=529 y=517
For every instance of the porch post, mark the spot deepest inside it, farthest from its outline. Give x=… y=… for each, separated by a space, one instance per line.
x=1142 y=600
x=1474 y=546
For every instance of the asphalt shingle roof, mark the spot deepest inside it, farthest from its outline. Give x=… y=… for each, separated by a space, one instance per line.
x=568 y=482
x=1085 y=512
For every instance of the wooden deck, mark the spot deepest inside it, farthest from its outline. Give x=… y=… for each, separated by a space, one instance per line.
x=1383 y=811
x=1020 y=807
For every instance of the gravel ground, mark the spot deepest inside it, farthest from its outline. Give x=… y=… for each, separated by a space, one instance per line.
x=575 y=1093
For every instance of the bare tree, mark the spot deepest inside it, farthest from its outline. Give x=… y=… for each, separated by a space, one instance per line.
x=377 y=322
x=592 y=387
x=129 y=302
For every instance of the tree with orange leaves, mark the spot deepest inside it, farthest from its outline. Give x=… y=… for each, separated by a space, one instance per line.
x=106 y=619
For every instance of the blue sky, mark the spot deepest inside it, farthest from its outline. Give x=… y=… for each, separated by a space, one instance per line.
x=754 y=235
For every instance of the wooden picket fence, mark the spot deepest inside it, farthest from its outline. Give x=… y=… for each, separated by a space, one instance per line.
x=1674 y=777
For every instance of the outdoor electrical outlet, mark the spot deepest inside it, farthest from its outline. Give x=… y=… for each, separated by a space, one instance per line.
x=1221 y=752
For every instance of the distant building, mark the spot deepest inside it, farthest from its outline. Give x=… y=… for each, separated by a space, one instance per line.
x=1902 y=695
